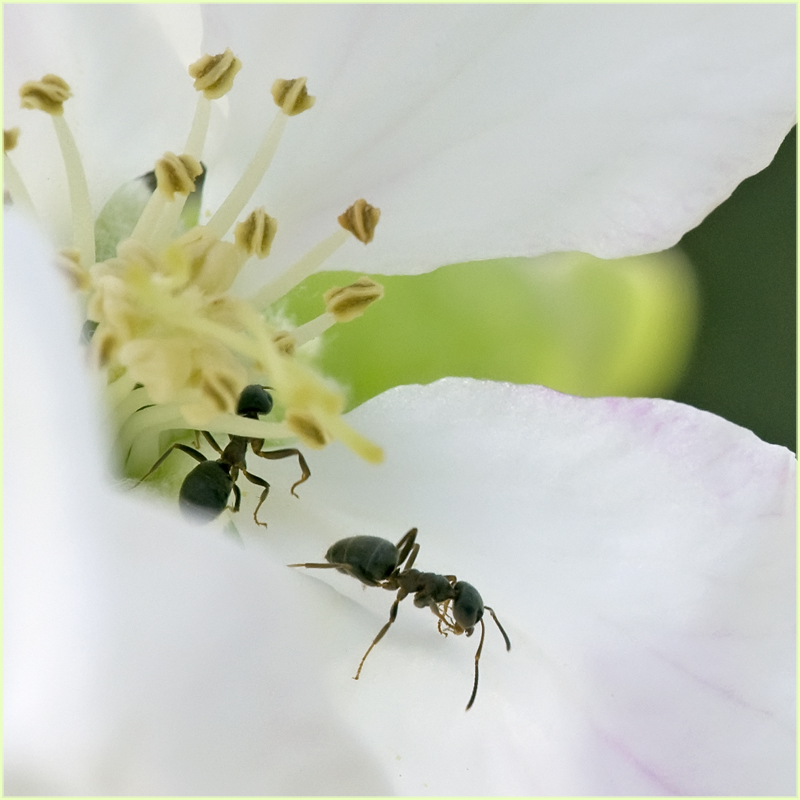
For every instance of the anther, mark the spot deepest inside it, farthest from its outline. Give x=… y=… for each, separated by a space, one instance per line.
x=69 y=262
x=291 y=96
x=306 y=428
x=352 y=301
x=285 y=342
x=256 y=233
x=14 y=191
x=10 y=139
x=46 y=95
x=214 y=74
x=360 y=220
x=176 y=174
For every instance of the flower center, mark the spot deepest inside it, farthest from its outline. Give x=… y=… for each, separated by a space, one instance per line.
x=177 y=349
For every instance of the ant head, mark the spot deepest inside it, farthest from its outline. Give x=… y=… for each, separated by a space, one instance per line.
x=467 y=607
x=253 y=401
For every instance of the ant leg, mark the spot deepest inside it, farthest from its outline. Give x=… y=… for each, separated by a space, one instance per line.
x=258 y=482
x=195 y=454
x=477 y=659
x=405 y=546
x=497 y=621
x=442 y=614
x=213 y=442
x=285 y=453
x=237 y=499
x=392 y=617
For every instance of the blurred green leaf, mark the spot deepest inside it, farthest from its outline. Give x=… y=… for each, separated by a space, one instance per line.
x=569 y=321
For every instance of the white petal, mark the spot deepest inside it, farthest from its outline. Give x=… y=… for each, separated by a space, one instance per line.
x=479 y=131
x=142 y=655
x=639 y=553
x=511 y=130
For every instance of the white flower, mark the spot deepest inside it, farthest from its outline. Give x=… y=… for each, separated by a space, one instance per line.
x=640 y=554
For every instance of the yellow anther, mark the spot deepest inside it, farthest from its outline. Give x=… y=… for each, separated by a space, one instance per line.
x=306 y=428
x=360 y=220
x=352 y=301
x=10 y=139
x=176 y=174
x=256 y=233
x=291 y=96
x=214 y=74
x=220 y=392
x=104 y=345
x=285 y=342
x=46 y=95
x=69 y=262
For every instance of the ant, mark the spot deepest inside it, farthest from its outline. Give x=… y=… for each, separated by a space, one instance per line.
x=378 y=562
x=206 y=489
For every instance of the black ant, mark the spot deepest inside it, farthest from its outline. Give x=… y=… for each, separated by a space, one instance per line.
x=206 y=489
x=378 y=562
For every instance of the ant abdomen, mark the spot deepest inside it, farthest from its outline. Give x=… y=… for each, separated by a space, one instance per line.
x=205 y=491
x=368 y=558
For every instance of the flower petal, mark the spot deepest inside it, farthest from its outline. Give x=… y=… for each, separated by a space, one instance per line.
x=142 y=655
x=640 y=554
x=511 y=130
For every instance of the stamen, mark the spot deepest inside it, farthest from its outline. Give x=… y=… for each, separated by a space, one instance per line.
x=307 y=429
x=340 y=430
x=69 y=262
x=343 y=304
x=213 y=77
x=350 y=302
x=214 y=74
x=10 y=139
x=178 y=349
x=82 y=218
x=256 y=233
x=313 y=328
x=360 y=219
x=285 y=342
x=176 y=174
x=197 y=135
x=234 y=203
x=299 y=271
x=166 y=215
x=14 y=185
x=291 y=97
x=48 y=95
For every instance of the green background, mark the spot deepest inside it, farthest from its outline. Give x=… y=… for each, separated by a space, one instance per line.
x=744 y=366
x=720 y=336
